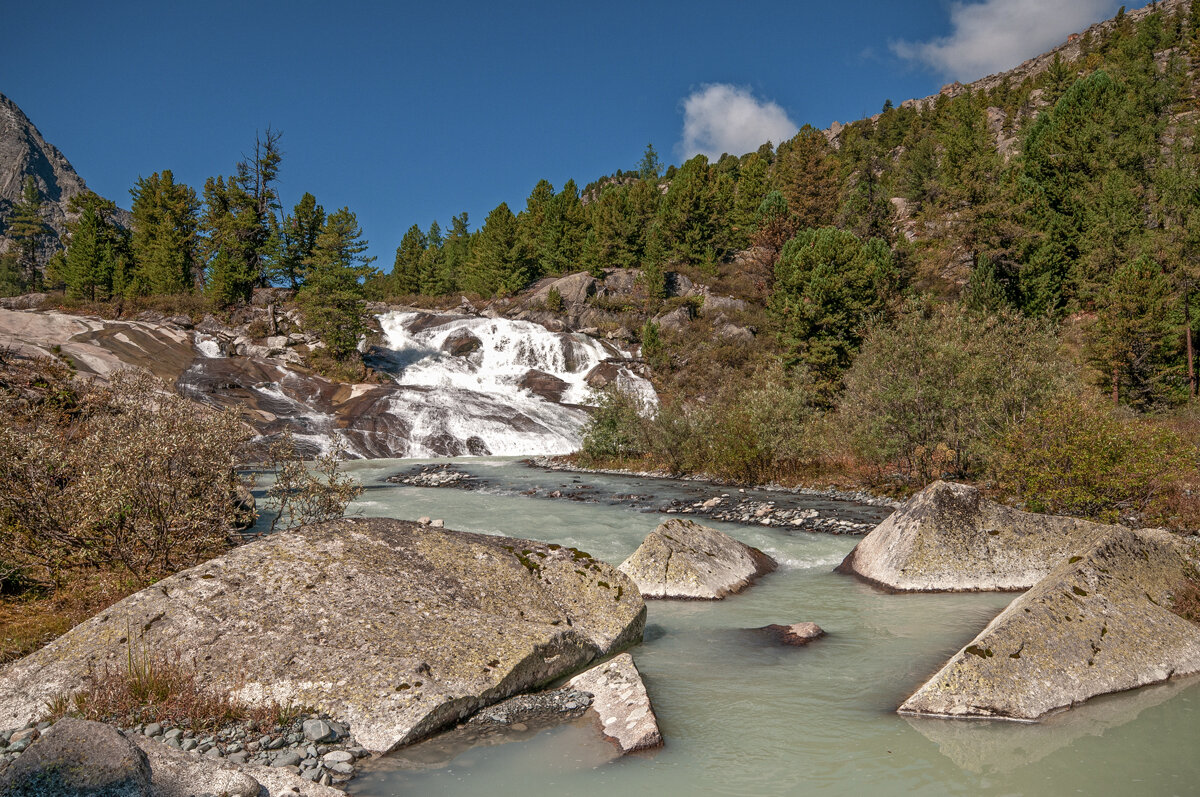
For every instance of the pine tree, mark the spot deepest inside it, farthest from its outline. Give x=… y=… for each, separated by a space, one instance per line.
x=432 y=259
x=806 y=174
x=165 y=227
x=531 y=224
x=97 y=262
x=332 y=295
x=456 y=253
x=563 y=232
x=27 y=229
x=296 y=238
x=230 y=248
x=406 y=269
x=649 y=167
x=828 y=285
x=1134 y=339
x=496 y=265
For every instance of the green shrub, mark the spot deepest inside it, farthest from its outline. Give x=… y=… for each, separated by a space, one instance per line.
x=615 y=429
x=554 y=301
x=931 y=394
x=1077 y=457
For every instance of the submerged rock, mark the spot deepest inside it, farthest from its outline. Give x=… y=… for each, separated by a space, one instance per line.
x=391 y=627
x=794 y=635
x=682 y=559
x=620 y=702
x=949 y=538
x=1098 y=623
x=79 y=757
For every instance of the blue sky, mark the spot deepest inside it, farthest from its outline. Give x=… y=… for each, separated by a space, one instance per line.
x=410 y=112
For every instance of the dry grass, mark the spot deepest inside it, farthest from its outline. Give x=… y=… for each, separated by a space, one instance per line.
x=165 y=688
x=37 y=617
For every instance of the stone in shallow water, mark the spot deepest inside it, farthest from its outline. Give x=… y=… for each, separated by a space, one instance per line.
x=1098 y=623
x=682 y=559
x=620 y=702
x=949 y=538
x=428 y=625
x=793 y=635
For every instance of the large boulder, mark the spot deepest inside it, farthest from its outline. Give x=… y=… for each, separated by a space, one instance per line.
x=1098 y=623
x=949 y=538
x=573 y=288
x=394 y=628
x=620 y=704
x=77 y=757
x=540 y=383
x=682 y=559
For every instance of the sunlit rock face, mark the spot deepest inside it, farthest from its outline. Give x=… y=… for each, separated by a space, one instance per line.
x=446 y=385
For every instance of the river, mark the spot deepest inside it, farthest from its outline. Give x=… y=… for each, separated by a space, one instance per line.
x=743 y=717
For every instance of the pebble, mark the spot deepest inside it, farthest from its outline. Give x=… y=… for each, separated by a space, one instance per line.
x=338 y=757
x=153 y=729
x=317 y=730
x=288 y=758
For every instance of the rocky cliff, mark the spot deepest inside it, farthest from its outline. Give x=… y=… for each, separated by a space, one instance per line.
x=24 y=153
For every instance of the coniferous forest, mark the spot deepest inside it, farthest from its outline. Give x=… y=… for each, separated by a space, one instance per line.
x=998 y=283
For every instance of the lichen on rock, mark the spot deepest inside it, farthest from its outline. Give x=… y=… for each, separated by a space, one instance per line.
x=682 y=559
x=1100 y=622
x=393 y=628
x=949 y=538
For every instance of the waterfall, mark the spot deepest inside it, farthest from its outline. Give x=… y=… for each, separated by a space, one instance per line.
x=467 y=384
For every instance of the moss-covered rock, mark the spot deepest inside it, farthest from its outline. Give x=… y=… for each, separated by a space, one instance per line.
x=1100 y=622
x=682 y=559
x=394 y=628
x=949 y=538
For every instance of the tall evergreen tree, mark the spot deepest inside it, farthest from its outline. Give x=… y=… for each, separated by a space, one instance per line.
x=456 y=253
x=649 y=167
x=406 y=269
x=1133 y=341
x=496 y=265
x=295 y=241
x=332 y=295
x=97 y=262
x=164 y=242
x=432 y=265
x=806 y=174
x=28 y=230
x=828 y=286
x=233 y=237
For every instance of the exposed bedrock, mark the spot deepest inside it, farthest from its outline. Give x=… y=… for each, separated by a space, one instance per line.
x=682 y=559
x=949 y=538
x=1098 y=623
x=396 y=629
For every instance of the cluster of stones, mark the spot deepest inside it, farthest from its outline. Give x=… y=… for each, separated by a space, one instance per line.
x=764 y=513
x=435 y=476
x=315 y=748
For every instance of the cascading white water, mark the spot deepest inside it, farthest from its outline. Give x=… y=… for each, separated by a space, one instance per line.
x=473 y=401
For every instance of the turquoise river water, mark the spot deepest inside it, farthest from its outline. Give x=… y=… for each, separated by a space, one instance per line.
x=741 y=717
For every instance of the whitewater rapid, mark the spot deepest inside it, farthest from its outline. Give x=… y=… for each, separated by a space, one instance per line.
x=473 y=402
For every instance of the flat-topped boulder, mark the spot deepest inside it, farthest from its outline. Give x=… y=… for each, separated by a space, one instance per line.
x=949 y=538
x=620 y=704
x=1100 y=622
x=394 y=628
x=682 y=559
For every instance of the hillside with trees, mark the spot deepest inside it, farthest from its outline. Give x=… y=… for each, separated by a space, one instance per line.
x=923 y=293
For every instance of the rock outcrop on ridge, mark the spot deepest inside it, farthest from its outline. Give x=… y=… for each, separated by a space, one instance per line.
x=682 y=559
x=1098 y=623
x=949 y=538
x=394 y=628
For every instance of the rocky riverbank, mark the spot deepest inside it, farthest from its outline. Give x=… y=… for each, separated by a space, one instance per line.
x=313 y=747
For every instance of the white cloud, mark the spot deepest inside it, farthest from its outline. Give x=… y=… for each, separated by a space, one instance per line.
x=719 y=118
x=996 y=35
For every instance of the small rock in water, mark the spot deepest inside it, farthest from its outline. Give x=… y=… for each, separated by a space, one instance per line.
x=438 y=524
x=424 y=521
x=794 y=635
